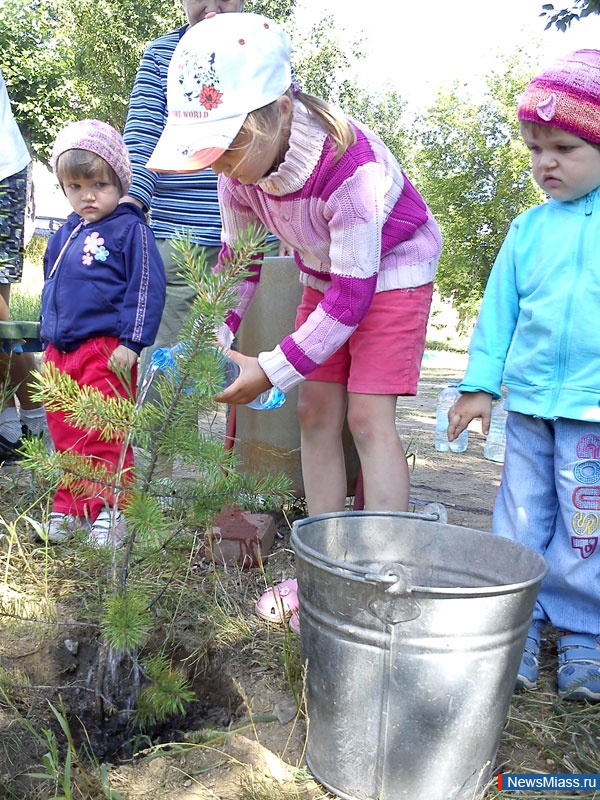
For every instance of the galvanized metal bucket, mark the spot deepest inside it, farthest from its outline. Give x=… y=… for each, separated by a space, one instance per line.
x=413 y=632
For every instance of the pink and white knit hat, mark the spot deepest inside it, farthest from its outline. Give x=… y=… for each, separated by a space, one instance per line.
x=99 y=138
x=566 y=95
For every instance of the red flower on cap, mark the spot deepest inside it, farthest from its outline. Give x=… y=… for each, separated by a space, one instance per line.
x=210 y=97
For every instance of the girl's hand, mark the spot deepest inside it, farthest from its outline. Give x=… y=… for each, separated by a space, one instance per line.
x=469 y=405
x=122 y=359
x=251 y=381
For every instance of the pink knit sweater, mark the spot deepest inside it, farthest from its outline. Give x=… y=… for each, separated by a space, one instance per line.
x=356 y=226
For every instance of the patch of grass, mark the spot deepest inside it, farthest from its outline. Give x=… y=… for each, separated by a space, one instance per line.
x=24 y=306
x=253 y=787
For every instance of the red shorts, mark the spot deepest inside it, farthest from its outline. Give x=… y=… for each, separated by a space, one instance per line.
x=383 y=355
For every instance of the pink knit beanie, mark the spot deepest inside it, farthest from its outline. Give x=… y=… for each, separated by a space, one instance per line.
x=99 y=138
x=566 y=95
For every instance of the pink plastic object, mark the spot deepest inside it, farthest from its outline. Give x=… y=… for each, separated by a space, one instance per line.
x=280 y=602
x=295 y=622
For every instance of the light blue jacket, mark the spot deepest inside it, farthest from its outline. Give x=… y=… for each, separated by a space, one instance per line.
x=538 y=330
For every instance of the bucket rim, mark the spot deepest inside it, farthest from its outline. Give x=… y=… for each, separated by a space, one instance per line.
x=357 y=572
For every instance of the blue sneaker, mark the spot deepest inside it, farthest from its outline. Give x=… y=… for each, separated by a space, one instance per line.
x=530 y=661
x=579 y=667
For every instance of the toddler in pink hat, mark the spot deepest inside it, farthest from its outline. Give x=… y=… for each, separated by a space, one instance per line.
x=536 y=334
x=102 y=302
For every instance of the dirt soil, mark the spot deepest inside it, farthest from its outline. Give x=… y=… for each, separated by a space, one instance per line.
x=465 y=483
x=264 y=751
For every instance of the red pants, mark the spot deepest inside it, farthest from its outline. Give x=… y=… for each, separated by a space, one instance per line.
x=88 y=366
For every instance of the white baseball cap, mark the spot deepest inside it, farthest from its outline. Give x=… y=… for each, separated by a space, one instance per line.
x=222 y=69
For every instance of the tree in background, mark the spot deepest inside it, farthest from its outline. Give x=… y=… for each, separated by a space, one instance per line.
x=69 y=59
x=105 y=41
x=276 y=9
x=64 y=60
x=386 y=115
x=562 y=19
x=474 y=172
x=324 y=67
x=34 y=68
x=321 y=63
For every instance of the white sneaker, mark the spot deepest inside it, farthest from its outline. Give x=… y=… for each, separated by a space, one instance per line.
x=101 y=535
x=61 y=527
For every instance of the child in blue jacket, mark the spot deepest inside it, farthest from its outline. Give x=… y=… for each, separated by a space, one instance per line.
x=536 y=334
x=102 y=302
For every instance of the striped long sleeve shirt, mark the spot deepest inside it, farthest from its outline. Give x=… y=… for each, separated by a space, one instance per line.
x=176 y=202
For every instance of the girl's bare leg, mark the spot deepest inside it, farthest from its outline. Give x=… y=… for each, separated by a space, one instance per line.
x=321 y=413
x=386 y=480
x=21 y=367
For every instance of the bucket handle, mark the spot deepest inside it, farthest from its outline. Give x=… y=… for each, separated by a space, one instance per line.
x=394 y=578
x=391 y=600
x=383 y=578
x=396 y=603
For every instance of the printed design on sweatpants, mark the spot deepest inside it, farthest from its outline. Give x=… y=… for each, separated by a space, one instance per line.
x=585 y=523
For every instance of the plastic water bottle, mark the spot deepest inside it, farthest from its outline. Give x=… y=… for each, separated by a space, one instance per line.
x=495 y=444
x=446 y=398
x=164 y=359
x=271 y=398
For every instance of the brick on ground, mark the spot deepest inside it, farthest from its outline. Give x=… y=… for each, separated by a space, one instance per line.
x=240 y=538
